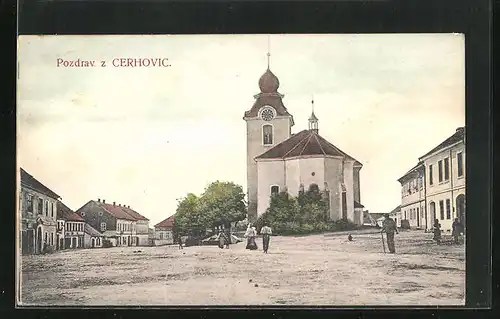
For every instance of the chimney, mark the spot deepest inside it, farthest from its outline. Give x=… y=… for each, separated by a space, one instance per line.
x=120 y=205
x=128 y=206
x=98 y=200
x=104 y=201
x=114 y=203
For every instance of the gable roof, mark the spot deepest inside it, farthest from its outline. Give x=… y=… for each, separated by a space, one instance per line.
x=455 y=138
x=133 y=213
x=29 y=181
x=395 y=210
x=412 y=171
x=92 y=231
x=166 y=223
x=66 y=213
x=304 y=143
x=116 y=211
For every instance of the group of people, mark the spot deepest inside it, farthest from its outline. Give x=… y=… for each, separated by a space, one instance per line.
x=251 y=234
x=457 y=230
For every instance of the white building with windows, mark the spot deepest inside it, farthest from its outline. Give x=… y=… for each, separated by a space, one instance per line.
x=435 y=188
x=445 y=181
x=413 y=197
x=278 y=160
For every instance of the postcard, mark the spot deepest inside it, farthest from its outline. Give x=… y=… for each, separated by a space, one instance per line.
x=241 y=170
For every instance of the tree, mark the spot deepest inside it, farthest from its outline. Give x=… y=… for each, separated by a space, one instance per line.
x=189 y=218
x=223 y=203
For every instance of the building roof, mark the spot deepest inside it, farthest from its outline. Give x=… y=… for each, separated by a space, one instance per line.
x=133 y=213
x=29 y=181
x=377 y=215
x=395 y=210
x=116 y=211
x=304 y=143
x=358 y=205
x=458 y=136
x=167 y=223
x=92 y=231
x=66 y=213
x=411 y=172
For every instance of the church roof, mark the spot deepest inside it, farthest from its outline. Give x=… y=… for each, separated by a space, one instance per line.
x=304 y=143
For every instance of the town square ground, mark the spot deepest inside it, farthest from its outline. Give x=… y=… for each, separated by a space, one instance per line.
x=321 y=269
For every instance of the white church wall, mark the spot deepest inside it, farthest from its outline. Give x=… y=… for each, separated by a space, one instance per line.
x=255 y=147
x=270 y=173
x=349 y=185
x=312 y=171
x=333 y=171
x=293 y=176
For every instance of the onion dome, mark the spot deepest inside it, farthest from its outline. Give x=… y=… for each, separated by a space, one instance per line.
x=268 y=82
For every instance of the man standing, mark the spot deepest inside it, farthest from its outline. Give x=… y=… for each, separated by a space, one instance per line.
x=389 y=227
x=266 y=233
x=457 y=230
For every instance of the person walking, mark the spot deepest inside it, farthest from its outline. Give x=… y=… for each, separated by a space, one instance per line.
x=250 y=235
x=437 y=232
x=457 y=230
x=389 y=227
x=266 y=233
x=179 y=241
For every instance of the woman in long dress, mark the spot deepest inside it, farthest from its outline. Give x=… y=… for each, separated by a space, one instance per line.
x=250 y=235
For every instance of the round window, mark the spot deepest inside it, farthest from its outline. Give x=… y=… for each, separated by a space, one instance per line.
x=267 y=114
x=83 y=214
x=313 y=173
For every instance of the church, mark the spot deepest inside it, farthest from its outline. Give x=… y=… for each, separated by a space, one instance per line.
x=278 y=160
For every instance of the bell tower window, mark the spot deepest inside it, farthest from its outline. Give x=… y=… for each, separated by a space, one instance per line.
x=267 y=134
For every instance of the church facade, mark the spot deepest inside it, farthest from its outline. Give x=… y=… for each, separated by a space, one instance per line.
x=278 y=160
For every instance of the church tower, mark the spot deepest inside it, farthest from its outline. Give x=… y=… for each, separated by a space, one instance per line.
x=268 y=124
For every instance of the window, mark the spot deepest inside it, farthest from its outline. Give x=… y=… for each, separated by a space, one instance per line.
x=103 y=226
x=267 y=134
x=405 y=214
x=275 y=190
x=460 y=164
x=40 y=206
x=49 y=210
x=46 y=208
x=440 y=171
x=430 y=175
x=441 y=210
x=418 y=214
x=448 y=210
x=161 y=236
x=446 y=169
x=83 y=214
x=46 y=238
x=52 y=238
x=54 y=210
x=29 y=202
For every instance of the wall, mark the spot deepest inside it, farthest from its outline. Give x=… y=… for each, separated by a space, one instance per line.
x=270 y=173
x=255 y=147
x=413 y=197
x=94 y=219
x=142 y=227
x=310 y=165
x=163 y=236
x=444 y=190
x=357 y=184
x=349 y=184
x=87 y=241
x=126 y=229
x=333 y=174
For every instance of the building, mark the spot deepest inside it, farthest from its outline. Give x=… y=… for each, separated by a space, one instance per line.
x=71 y=234
x=38 y=211
x=413 y=197
x=92 y=238
x=164 y=232
x=278 y=160
x=112 y=221
x=142 y=226
x=445 y=181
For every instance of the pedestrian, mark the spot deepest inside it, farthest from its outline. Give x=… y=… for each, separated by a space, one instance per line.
x=266 y=233
x=349 y=237
x=179 y=241
x=457 y=230
x=389 y=227
x=437 y=231
x=222 y=239
x=250 y=235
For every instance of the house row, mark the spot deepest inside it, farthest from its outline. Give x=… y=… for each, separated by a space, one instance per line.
x=435 y=187
x=47 y=224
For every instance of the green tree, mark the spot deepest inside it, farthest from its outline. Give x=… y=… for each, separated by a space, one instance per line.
x=223 y=203
x=189 y=218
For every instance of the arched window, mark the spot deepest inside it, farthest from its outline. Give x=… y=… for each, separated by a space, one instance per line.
x=275 y=189
x=267 y=134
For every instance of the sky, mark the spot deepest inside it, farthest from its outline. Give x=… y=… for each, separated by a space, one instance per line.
x=146 y=137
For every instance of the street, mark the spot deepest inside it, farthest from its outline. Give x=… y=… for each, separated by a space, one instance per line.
x=321 y=269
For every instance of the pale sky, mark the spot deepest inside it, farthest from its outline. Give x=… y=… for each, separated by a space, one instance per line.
x=145 y=137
